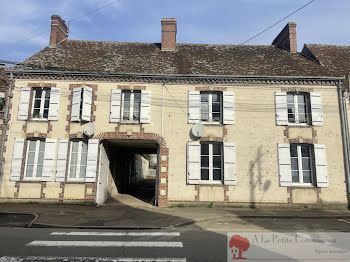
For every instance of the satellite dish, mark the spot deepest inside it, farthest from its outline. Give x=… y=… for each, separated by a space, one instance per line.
x=89 y=129
x=198 y=130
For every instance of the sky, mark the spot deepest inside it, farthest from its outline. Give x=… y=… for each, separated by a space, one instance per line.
x=198 y=21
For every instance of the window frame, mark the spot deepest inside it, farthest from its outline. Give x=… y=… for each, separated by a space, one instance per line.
x=300 y=166
x=296 y=109
x=42 y=103
x=131 y=106
x=210 y=104
x=78 y=164
x=36 y=158
x=210 y=167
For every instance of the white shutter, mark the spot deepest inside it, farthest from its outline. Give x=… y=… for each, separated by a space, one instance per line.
x=91 y=165
x=228 y=108
x=284 y=165
x=87 y=102
x=114 y=116
x=194 y=109
x=321 y=165
x=75 y=114
x=61 y=160
x=23 y=107
x=281 y=108
x=230 y=164
x=55 y=94
x=17 y=156
x=193 y=163
x=145 y=114
x=316 y=109
x=49 y=159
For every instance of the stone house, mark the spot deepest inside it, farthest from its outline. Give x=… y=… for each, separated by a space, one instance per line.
x=81 y=109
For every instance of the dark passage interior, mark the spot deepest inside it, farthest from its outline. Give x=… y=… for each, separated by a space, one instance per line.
x=133 y=167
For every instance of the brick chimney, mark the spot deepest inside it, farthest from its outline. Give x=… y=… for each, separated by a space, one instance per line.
x=287 y=38
x=59 y=30
x=168 y=34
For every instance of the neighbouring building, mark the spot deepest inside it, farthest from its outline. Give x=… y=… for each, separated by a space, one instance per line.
x=82 y=109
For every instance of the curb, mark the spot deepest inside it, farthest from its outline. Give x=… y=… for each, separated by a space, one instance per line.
x=43 y=225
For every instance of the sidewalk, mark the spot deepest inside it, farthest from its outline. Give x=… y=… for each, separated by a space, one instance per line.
x=120 y=215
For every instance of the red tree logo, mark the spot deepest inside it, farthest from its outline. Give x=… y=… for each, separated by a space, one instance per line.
x=238 y=245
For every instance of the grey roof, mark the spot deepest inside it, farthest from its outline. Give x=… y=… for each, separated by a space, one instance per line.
x=188 y=59
x=334 y=58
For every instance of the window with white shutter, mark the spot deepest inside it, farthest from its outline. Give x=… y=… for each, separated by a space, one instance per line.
x=35 y=159
x=298 y=108
x=211 y=162
x=131 y=104
x=54 y=107
x=49 y=159
x=23 y=106
x=41 y=103
x=78 y=159
x=61 y=160
x=316 y=109
x=92 y=156
x=321 y=165
x=145 y=114
x=297 y=164
x=194 y=107
x=86 y=104
x=114 y=116
x=17 y=156
x=230 y=164
x=228 y=108
x=193 y=163
x=211 y=107
x=81 y=104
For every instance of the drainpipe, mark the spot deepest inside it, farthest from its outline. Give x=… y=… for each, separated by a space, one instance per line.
x=4 y=128
x=345 y=137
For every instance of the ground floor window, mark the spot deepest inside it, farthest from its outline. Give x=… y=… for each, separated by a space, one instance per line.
x=301 y=163
x=35 y=158
x=211 y=162
x=78 y=159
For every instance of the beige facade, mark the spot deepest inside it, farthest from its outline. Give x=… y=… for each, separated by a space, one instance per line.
x=254 y=133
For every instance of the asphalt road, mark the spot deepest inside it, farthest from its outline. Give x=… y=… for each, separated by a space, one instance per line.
x=202 y=242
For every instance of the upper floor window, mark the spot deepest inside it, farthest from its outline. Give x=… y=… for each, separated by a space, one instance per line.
x=301 y=164
x=131 y=100
x=78 y=159
x=211 y=107
x=82 y=104
x=298 y=105
x=41 y=103
x=35 y=158
x=211 y=162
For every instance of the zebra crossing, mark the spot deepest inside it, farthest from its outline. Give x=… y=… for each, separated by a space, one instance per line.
x=159 y=243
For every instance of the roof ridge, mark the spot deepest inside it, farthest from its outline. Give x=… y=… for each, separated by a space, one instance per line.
x=198 y=44
x=308 y=44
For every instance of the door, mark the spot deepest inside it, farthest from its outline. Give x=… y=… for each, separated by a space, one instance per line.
x=102 y=183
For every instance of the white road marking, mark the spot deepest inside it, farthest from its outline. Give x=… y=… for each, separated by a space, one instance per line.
x=115 y=233
x=343 y=220
x=105 y=244
x=95 y=259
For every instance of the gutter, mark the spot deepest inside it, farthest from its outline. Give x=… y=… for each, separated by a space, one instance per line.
x=345 y=138
x=172 y=76
x=4 y=128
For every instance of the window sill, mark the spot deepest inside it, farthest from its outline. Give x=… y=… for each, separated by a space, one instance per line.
x=130 y=122
x=38 y=120
x=31 y=179
x=75 y=180
x=210 y=183
x=302 y=186
x=298 y=125
x=212 y=123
